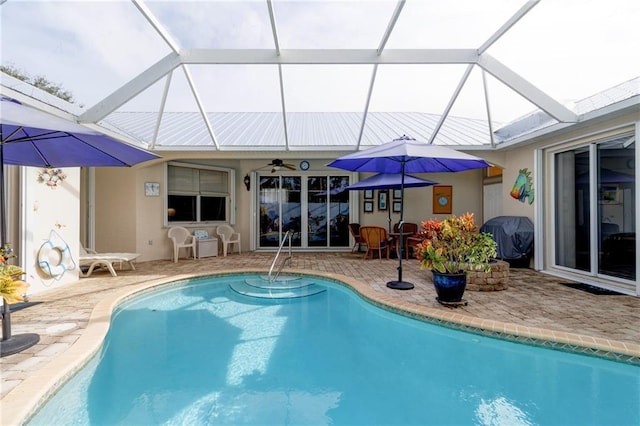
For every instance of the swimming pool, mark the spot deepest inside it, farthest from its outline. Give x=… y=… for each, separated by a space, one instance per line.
x=199 y=352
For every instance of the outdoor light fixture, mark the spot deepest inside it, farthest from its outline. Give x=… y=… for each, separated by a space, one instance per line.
x=247 y=182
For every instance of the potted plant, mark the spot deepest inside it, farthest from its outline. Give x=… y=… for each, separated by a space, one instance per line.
x=450 y=248
x=12 y=287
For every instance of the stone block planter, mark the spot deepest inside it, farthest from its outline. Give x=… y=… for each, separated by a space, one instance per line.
x=495 y=280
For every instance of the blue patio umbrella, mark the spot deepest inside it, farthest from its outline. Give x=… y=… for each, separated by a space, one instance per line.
x=390 y=181
x=406 y=155
x=30 y=137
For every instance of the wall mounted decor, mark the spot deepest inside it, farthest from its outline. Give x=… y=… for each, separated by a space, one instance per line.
x=152 y=189
x=523 y=186
x=383 y=200
x=51 y=177
x=442 y=199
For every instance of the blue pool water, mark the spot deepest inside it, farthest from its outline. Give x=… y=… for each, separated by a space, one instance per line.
x=200 y=353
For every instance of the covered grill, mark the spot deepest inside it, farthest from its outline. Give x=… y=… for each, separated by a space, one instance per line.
x=514 y=236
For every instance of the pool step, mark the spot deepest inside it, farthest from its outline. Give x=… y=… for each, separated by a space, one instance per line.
x=285 y=287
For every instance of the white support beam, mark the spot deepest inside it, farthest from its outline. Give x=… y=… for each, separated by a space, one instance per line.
x=328 y=56
x=507 y=25
x=150 y=17
x=130 y=89
x=527 y=90
x=163 y=104
x=392 y=24
x=274 y=30
x=488 y=107
x=452 y=101
x=366 y=107
x=203 y=113
x=284 y=108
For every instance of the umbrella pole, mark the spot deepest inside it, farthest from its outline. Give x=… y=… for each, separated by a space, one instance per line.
x=401 y=285
x=6 y=312
x=9 y=344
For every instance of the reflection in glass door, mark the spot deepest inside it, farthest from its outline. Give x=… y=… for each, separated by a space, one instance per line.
x=325 y=201
x=280 y=209
x=328 y=211
x=597 y=178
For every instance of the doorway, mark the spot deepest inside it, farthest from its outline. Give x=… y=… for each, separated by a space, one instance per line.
x=314 y=208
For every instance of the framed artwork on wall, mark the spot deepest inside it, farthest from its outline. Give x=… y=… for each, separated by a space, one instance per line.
x=382 y=200
x=152 y=189
x=368 y=206
x=396 y=206
x=442 y=199
x=368 y=194
x=397 y=194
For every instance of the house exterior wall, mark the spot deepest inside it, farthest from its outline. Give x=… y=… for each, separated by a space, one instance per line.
x=524 y=156
x=50 y=214
x=127 y=220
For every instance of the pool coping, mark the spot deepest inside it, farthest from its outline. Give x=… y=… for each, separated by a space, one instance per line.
x=22 y=402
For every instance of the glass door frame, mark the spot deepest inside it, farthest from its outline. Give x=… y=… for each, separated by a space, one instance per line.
x=354 y=211
x=548 y=215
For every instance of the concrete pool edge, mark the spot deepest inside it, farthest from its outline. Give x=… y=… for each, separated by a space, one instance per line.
x=22 y=402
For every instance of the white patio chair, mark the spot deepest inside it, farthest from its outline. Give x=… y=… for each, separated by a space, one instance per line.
x=182 y=238
x=228 y=236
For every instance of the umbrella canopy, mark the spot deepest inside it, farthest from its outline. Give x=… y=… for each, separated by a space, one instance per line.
x=406 y=155
x=390 y=181
x=29 y=137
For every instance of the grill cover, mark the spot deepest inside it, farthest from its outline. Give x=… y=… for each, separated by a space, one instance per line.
x=513 y=234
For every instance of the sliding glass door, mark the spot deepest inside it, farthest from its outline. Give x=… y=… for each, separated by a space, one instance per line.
x=324 y=201
x=595 y=213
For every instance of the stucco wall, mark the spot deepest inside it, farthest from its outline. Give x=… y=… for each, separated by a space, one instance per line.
x=50 y=213
x=466 y=197
x=128 y=220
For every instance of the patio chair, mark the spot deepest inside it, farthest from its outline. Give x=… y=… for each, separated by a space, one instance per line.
x=229 y=237
x=182 y=238
x=376 y=239
x=354 y=229
x=93 y=260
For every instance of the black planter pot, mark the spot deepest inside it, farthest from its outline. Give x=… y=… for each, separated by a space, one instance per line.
x=449 y=287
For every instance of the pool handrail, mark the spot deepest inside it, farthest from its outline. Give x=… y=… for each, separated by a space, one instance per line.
x=287 y=235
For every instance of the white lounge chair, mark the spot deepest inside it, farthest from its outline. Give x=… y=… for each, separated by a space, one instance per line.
x=93 y=259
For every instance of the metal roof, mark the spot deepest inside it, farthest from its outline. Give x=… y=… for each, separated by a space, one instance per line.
x=307 y=131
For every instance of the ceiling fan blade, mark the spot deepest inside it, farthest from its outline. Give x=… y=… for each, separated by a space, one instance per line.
x=289 y=166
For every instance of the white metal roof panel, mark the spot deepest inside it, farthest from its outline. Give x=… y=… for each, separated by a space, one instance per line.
x=265 y=130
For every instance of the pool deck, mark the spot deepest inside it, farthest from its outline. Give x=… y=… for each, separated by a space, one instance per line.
x=72 y=319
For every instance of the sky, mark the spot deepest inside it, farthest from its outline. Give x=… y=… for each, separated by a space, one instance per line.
x=570 y=49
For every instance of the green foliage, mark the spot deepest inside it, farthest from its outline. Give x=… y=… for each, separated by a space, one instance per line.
x=39 y=81
x=12 y=287
x=454 y=244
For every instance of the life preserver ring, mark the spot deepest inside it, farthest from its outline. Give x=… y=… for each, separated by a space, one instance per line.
x=54 y=258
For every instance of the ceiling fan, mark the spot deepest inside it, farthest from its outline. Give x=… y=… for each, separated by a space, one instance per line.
x=278 y=164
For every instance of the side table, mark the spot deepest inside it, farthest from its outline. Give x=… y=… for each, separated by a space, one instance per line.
x=207 y=247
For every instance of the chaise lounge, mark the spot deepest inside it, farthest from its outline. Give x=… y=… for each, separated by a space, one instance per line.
x=93 y=260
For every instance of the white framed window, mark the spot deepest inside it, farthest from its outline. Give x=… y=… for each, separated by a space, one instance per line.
x=199 y=193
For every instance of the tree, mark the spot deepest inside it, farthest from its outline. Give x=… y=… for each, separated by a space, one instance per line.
x=41 y=82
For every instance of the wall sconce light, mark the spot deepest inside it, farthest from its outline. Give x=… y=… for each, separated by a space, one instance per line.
x=247 y=182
